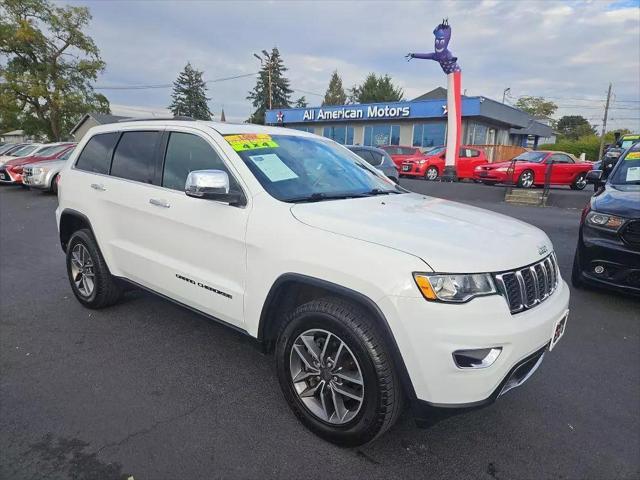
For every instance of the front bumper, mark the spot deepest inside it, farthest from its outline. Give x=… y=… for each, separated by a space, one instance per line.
x=620 y=262
x=38 y=180
x=428 y=332
x=490 y=176
x=413 y=169
x=6 y=176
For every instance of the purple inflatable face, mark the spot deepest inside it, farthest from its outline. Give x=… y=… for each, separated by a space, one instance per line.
x=443 y=35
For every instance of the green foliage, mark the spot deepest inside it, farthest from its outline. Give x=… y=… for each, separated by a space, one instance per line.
x=536 y=106
x=335 y=94
x=280 y=90
x=301 y=102
x=589 y=145
x=574 y=127
x=48 y=67
x=376 y=89
x=189 y=97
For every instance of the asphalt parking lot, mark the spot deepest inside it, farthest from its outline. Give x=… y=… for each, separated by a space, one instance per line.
x=154 y=391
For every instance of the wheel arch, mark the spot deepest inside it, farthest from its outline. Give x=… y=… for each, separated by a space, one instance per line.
x=292 y=289
x=72 y=221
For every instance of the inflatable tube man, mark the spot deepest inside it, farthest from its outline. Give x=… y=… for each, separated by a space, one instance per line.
x=450 y=67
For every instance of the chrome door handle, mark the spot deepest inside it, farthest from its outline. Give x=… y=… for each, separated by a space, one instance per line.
x=159 y=203
x=97 y=186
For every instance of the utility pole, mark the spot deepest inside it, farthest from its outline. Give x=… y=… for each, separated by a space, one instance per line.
x=604 y=123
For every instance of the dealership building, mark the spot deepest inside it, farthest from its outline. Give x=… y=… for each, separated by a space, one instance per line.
x=421 y=122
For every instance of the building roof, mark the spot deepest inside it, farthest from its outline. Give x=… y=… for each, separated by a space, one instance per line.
x=437 y=93
x=13 y=133
x=100 y=118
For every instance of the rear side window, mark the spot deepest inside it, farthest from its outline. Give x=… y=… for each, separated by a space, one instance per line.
x=366 y=155
x=96 y=155
x=186 y=153
x=134 y=156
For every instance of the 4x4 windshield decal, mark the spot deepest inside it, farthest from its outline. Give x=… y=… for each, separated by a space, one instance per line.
x=250 y=141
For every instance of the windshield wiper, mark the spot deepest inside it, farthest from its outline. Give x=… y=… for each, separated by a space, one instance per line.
x=319 y=197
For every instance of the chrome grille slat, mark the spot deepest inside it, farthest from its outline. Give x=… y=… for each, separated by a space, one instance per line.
x=526 y=287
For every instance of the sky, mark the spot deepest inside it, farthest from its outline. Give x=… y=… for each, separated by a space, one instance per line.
x=567 y=51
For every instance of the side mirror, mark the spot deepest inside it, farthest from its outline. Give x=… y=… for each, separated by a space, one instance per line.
x=594 y=176
x=211 y=185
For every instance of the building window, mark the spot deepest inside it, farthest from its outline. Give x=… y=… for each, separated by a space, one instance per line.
x=304 y=129
x=429 y=134
x=342 y=135
x=476 y=134
x=375 y=135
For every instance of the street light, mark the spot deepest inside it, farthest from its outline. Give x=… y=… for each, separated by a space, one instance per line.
x=268 y=61
x=504 y=93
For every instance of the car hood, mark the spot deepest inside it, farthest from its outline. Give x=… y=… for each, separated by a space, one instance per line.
x=618 y=200
x=448 y=236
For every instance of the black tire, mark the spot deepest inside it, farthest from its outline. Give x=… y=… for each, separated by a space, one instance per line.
x=382 y=392
x=106 y=290
x=579 y=183
x=54 y=185
x=523 y=176
x=576 y=273
x=434 y=173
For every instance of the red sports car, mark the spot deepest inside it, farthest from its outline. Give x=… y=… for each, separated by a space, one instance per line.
x=11 y=172
x=529 y=169
x=431 y=165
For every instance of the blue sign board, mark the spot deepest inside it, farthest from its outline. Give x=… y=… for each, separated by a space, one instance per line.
x=371 y=111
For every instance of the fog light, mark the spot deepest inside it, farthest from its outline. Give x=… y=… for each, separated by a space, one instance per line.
x=599 y=269
x=477 y=358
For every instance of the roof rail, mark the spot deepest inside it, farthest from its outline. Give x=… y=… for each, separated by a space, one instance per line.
x=146 y=119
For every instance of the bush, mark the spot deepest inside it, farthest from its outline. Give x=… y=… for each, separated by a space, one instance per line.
x=589 y=145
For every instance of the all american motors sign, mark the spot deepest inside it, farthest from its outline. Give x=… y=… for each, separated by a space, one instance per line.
x=353 y=113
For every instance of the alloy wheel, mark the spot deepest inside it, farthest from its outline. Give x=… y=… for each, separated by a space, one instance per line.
x=326 y=376
x=432 y=173
x=527 y=179
x=82 y=270
x=581 y=181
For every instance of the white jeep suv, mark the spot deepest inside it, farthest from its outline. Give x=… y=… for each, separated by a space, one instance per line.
x=370 y=296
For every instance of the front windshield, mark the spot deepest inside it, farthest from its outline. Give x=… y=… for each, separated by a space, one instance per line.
x=627 y=170
x=626 y=143
x=52 y=150
x=67 y=154
x=295 y=168
x=435 y=150
x=533 y=157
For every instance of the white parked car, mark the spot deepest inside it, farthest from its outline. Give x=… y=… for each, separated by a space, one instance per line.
x=370 y=296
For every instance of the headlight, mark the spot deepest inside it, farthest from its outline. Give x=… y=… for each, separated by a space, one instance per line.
x=37 y=170
x=502 y=169
x=422 y=162
x=602 y=220
x=456 y=288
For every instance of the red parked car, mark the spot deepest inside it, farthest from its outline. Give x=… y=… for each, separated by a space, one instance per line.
x=11 y=172
x=399 y=153
x=431 y=165
x=530 y=169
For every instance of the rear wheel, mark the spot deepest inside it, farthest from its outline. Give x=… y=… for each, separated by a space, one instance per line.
x=431 y=173
x=580 y=182
x=525 y=180
x=336 y=373
x=90 y=279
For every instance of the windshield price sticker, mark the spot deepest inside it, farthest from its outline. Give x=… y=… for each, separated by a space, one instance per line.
x=632 y=156
x=250 y=141
x=633 y=174
x=274 y=168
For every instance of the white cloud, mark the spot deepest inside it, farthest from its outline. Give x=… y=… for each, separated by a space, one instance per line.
x=561 y=49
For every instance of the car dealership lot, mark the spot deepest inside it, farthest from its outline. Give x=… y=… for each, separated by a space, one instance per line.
x=149 y=389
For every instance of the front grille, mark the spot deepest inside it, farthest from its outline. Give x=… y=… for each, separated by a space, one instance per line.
x=526 y=287
x=631 y=233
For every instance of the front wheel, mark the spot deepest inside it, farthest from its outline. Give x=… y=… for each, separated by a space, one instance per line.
x=336 y=372
x=431 y=173
x=576 y=273
x=580 y=182
x=525 y=180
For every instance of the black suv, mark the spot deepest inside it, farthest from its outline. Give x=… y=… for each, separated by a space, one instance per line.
x=608 y=251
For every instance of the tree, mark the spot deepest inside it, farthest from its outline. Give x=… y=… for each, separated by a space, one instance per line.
x=49 y=68
x=271 y=86
x=301 y=102
x=189 y=96
x=376 y=89
x=574 y=127
x=536 y=106
x=335 y=94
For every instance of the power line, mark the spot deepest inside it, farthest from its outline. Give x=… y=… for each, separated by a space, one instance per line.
x=167 y=85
